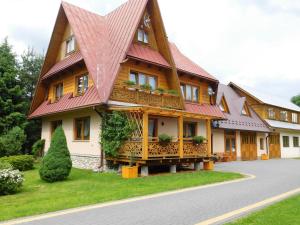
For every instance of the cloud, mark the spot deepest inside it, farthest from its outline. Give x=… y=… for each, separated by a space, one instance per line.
x=251 y=42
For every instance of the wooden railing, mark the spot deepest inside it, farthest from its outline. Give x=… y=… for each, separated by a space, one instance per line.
x=124 y=94
x=156 y=150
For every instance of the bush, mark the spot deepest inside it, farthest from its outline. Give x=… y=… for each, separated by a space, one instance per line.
x=5 y=165
x=198 y=139
x=19 y=162
x=10 y=181
x=57 y=164
x=11 y=143
x=38 y=148
x=164 y=139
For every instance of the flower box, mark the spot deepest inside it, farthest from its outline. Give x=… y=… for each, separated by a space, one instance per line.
x=129 y=172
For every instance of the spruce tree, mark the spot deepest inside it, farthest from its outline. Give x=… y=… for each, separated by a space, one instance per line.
x=57 y=164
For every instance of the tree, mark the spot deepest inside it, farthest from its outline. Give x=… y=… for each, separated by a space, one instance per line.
x=57 y=164
x=296 y=100
x=29 y=70
x=12 y=97
x=11 y=143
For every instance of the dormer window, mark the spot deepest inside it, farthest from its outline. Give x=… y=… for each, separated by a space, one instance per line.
x=271 y=113
x=70 y=45
x=143 y=36
x=283 y=115
x=58 y=91
x=82 y=84
x=294 y=118
x=223 y=105
x=245 y=110
x=190 y=93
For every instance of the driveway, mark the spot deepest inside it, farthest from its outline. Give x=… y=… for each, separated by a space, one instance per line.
x=273 y=177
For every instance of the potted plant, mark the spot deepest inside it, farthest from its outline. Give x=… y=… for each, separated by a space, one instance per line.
x=160 y=91
x=264 y=157
x=130 y=84
x=130 y=171
x=146 y=87
x=197 y=140
x=172 y=92
x=164 y=139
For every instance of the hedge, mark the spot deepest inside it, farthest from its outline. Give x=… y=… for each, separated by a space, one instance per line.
x=20 y=162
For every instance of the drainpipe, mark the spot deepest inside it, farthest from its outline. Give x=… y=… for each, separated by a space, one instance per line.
x=102 y=152
x=267 y=144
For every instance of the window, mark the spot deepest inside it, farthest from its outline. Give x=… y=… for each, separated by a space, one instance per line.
x=189 y=129
x=223 y=105
x=286 y=141
x=152 y=128
x=296 y=141
x=189 y=92
x=82 y=84
x=271 y=113
x=70 y=45
x=283 y=115
x=82 y=128
x=58 y=91
x=143 y=36
x=245 y=110
x=262 y=144
x=294 y=118
x=54 y=125
x=141 y=79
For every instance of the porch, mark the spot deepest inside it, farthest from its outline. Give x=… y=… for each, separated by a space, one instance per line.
x=144 y=145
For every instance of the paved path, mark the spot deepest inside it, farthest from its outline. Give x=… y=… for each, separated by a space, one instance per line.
x=273 y=177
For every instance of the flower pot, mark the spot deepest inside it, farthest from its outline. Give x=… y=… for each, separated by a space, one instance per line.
x=264 y=157
x=208 y=165
x=129 y=172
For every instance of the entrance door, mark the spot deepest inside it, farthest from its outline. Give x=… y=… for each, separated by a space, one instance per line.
x=274 y=143
x=230 y=145
x=248 y=146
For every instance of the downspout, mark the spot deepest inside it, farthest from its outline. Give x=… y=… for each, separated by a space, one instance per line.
x=267 y=144
x=102 y=152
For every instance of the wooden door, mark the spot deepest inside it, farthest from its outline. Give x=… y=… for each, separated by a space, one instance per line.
x=248 y=146
x=230 y=145
x=274 y=146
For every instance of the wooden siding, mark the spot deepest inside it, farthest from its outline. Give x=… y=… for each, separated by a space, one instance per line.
x=69 y=82
x=202 y=85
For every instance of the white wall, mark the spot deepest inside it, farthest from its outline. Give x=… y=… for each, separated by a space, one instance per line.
x=218 y=141
x=84 y=148
x=289 y=152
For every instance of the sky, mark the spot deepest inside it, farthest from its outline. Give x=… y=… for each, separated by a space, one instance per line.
x=254 y=43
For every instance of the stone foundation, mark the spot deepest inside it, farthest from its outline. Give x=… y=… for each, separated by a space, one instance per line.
x=85 y=162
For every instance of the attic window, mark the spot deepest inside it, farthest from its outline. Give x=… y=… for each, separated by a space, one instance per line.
x=70 y=45
x=223 y=105
x=245 y=110
x=143 y=36
x=283 y=115
x=82 y=84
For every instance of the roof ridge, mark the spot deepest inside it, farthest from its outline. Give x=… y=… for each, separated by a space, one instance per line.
x=78 y=7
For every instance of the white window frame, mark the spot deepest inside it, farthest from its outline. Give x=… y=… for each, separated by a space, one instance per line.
x=294 y=118
x=284 y=115
x=271 y=113
x=70 y=44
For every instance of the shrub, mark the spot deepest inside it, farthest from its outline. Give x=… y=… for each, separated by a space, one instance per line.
x=198 y=139
x=146 y=87
x=173 y=92
x=160 y=90
x=130 y=83
x=11 y=143
x=57 y=164
x=5 y=165
x=38 y=148
x=19 y=162
x=164 y=139
x=10 y=181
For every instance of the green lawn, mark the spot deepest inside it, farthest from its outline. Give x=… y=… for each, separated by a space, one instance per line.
x=284 y=212
x=85 y=187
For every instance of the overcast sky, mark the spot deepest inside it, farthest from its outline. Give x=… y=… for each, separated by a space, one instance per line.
x=254 y=43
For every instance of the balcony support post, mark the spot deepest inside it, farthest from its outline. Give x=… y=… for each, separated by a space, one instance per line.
x=145 y=136
x=208 y=136
x=180 y=135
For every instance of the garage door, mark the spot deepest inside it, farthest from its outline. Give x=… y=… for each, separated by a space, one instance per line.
x=274 y=146
x=248 y=146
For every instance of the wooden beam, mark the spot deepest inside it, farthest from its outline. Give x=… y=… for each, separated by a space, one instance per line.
x=180 y=135
x=145 y=136
x=208 y=136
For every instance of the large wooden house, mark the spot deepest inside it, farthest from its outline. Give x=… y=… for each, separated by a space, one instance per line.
x=281 y=116
x=89 y=60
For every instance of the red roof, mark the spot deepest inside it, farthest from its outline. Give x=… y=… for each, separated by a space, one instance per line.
x=63 y=64
x=184 y=64
x=66 y=103
x=147 y=54
x=204 y=109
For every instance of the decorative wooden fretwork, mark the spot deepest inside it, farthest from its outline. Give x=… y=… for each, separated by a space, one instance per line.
x=194 y=150
x=157 y=150
x=131 y=149
x=123 y=94
x=137 y=119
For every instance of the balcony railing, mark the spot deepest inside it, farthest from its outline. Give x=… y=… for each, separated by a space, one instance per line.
x=156 y=150
x=124 y=94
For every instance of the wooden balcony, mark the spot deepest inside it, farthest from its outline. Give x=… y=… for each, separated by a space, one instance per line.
x=124 y=94
x=157 y=151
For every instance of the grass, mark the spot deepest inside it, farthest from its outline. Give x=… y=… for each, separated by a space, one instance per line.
x=284 y=212
x=84 y=187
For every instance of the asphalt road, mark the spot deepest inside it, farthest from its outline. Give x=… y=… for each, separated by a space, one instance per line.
x=273 y=177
